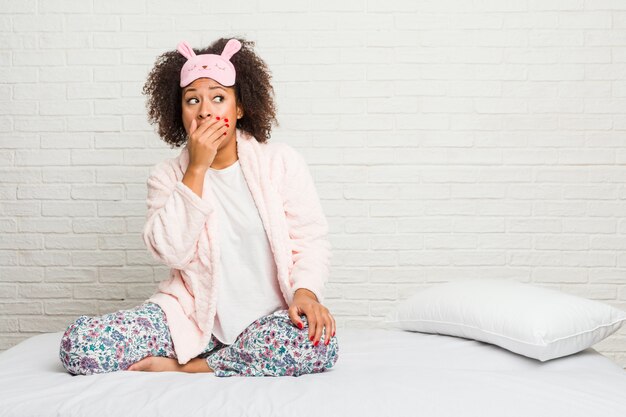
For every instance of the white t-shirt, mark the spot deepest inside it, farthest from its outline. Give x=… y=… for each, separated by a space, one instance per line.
x=249 y=285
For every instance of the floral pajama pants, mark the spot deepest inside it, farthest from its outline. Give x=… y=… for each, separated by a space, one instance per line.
x=270 y=346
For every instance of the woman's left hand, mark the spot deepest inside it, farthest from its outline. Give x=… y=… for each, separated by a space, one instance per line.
x=319 y=317
x=156 y=364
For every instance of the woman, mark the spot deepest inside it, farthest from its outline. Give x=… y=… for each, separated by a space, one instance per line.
x=238 y=221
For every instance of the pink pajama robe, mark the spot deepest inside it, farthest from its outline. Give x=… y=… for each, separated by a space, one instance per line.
x=180 y=232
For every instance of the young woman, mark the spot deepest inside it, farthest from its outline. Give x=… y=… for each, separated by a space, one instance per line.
x=239 y=222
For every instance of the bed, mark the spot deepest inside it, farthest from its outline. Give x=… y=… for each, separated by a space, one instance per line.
x=380 y=372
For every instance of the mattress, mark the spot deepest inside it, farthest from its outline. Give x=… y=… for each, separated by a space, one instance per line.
x=379 y=372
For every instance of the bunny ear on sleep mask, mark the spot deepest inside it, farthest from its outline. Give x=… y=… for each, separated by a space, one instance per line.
x=217 y=67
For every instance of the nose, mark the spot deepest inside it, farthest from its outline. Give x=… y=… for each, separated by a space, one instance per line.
x=205 y=111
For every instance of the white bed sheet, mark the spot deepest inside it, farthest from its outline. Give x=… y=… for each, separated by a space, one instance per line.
x=379 y=372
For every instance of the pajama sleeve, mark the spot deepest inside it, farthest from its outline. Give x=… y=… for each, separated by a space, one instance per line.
x=308 y=227
x=175 y=218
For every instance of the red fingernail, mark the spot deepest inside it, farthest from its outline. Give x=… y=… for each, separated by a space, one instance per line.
x=311 y=338
x=225 y=120
x=300 y=326
x=217 y=117
x=315 y=344
x=227 y=125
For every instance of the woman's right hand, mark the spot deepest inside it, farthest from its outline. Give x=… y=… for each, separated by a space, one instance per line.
x=203 y=141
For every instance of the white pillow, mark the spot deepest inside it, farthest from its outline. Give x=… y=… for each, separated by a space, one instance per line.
x=536 y=322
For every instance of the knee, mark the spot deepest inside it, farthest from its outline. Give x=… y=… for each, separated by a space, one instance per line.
x=75 y=359
x=325 y=356
x=322 y=356
x=68 y=342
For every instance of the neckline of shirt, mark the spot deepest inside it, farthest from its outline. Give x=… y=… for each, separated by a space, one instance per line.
x=227 y=169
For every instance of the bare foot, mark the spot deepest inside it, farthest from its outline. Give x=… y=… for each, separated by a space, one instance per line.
x=157 y=364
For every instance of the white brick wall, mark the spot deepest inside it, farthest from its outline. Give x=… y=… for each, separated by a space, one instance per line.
x=448 y=139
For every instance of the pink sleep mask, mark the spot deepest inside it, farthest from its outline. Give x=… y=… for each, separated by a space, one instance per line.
x=217 y=67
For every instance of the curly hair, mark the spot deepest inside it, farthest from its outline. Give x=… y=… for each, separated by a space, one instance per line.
x=253 y=91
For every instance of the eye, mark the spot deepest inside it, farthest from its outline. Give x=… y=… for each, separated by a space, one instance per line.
x=221 y=98
x=193 y=98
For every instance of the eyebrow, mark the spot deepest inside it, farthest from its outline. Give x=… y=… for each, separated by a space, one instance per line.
x=210 y=88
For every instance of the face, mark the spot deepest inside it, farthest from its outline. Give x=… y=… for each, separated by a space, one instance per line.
x=205 y=99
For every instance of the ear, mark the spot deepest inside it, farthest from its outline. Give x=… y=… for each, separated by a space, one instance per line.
x=185 y=49
x=231 y=47
x=239 y=111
